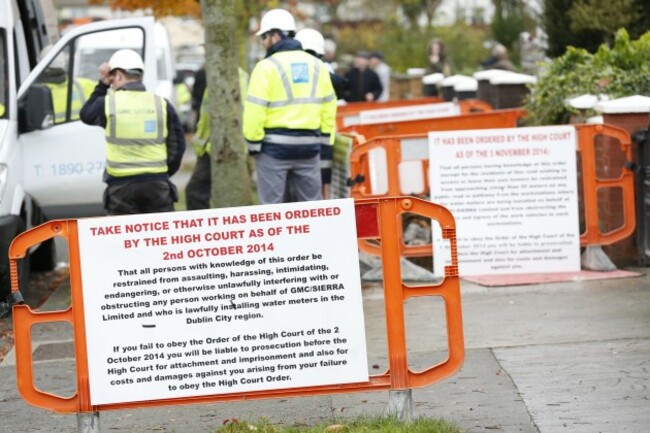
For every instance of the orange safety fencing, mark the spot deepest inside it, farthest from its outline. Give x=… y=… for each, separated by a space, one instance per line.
x=593 y=183
x=355 y=107
x=376 y=218
x=346 y=118
x=411 y=155
x=475 y=120
x=398 y=165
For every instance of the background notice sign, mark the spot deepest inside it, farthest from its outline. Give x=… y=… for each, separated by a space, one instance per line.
x=411 y=112
x=513 y=193
x=222 y=301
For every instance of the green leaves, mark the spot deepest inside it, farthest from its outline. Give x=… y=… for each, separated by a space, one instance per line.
x=622 y=70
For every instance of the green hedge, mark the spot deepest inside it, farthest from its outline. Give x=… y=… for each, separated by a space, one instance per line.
x=617 y=71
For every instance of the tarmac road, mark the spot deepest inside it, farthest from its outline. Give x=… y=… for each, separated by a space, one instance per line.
x=562 y=357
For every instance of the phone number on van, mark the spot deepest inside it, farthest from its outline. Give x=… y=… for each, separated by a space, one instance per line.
x=70 y=168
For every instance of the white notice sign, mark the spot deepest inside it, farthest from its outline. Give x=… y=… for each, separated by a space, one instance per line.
x=410 y=112
x=514 y=195
x=222 y=301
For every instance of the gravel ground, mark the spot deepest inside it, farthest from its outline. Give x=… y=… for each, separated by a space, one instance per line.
x=41 y=285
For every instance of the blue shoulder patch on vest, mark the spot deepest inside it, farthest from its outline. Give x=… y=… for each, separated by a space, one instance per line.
x=149 y=126
x=300 y=72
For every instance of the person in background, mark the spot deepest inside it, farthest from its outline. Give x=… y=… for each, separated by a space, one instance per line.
x=198 y=90
x=382 y=70
x=199 y=187
x=290 y=110
x=55 y=78
x=499 y=59
x=312 y=41
x=184 y=103
x=364 y=84
x=144 y=138
x=437 y=58
x=329 y=56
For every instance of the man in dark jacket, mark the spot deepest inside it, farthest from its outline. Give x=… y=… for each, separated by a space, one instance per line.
x=363 y=82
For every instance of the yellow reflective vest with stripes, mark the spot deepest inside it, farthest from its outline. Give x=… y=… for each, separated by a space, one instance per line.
x=81 y=90
x=136 y=133
x=290 y=107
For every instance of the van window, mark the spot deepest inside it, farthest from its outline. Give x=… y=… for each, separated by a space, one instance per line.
x=4 y=77
x=72 y=75
x=21 y=60
x=68 y=96
x=94 y=49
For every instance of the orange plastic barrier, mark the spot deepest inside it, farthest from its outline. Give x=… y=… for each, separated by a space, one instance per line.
x=375 y=218
x=396 y=147
x=355 y=107
x=591 y=184
x=474 y=120
x=346 y=118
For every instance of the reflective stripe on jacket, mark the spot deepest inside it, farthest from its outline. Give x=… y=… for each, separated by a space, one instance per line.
x=136 y=133
x=290 y=106
x=81 y=89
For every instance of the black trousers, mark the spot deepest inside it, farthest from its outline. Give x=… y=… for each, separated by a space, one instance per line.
x=197 y=191
x=140 y=197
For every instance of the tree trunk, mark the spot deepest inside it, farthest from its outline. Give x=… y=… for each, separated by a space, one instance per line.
x=231 y=184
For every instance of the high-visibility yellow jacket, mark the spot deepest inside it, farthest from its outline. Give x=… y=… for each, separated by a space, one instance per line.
x=81 y=90
x=183 y=94
x=201 y=139
x=290 y=107
x=136 y=133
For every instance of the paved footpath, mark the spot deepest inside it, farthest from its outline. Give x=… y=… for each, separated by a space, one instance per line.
x=563 y=357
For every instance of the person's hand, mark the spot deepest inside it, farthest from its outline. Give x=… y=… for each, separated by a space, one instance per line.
x=105 y=74
x=370 y=97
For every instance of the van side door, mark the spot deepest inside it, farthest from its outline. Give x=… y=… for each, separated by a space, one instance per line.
x=63 y=158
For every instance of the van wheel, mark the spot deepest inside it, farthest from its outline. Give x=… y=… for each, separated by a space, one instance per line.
x=44 y=258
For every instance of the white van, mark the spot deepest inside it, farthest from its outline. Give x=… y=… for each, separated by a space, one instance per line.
x=51 y=170
x=94 y=49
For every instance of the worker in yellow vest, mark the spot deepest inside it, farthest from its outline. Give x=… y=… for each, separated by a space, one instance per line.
x=144 y=138
x=290 y=110
x=198 y=189
x=55 y=77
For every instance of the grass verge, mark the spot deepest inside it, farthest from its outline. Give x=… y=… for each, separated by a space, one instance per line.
x=360 y=425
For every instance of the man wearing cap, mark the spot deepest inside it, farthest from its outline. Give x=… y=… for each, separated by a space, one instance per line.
x=144 y=138
x=290 y=110
x=363 y=82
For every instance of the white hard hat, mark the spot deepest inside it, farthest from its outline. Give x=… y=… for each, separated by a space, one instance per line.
x=126 y=59
x=277 y=19
x=311 y=39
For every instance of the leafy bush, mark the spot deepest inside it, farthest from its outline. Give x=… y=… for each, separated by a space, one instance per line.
x=622 y=70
